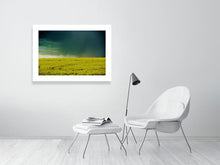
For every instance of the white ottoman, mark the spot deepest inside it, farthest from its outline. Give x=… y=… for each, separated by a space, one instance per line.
x=108 y=128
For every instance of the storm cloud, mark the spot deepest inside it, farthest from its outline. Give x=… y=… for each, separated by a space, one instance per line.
x=71 y=44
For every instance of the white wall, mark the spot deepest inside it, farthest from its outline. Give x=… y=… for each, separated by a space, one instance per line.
x=166 y=43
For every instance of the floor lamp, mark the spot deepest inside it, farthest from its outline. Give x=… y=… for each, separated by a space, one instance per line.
x=135 y=81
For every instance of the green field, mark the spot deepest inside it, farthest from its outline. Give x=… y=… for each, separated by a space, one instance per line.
x=72 y=66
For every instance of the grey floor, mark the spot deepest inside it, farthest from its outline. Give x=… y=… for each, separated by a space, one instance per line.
x=54 y=152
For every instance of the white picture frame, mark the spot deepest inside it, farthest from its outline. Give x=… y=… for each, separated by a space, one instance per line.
x=55 y=78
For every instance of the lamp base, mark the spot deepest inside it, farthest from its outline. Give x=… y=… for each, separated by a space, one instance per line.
x=125 y=134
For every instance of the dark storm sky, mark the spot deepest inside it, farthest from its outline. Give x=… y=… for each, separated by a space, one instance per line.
x=71 y=44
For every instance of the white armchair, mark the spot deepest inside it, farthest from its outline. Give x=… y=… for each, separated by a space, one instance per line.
x=164 y=115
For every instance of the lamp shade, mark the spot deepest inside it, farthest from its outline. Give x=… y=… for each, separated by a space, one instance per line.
x=135 y=80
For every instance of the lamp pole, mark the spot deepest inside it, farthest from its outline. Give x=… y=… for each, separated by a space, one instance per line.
x=126 y=113
x=129 y=86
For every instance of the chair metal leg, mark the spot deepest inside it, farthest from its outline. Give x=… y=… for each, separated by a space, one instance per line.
x=158 y=141
x=86 y=146
x=127 y=133
x=107 y=142
x=133 y=136
x=143 y=141
x=123 y=133
x=69 y=150
x=121 y=143
x=185 y=138
x=125 y=137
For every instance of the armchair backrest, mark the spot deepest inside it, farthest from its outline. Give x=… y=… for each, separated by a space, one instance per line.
x=173 y=104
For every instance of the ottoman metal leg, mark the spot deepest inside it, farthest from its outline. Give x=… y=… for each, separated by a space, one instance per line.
x=123 y=133
x=107 y=142
x=86 y=146
x=69 y=150
x=121 y=143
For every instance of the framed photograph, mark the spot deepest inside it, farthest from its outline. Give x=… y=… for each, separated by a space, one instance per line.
x=71 y=53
